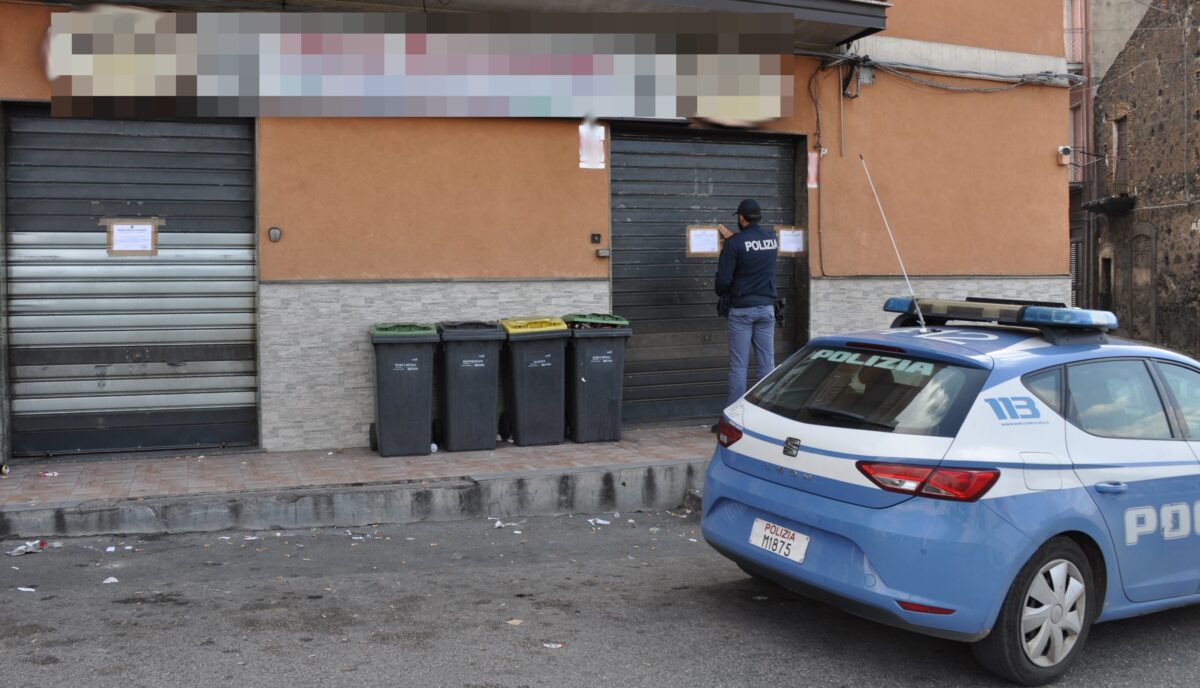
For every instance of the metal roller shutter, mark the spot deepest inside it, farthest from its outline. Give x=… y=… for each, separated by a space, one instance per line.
x=130 y=353
x=677 y=363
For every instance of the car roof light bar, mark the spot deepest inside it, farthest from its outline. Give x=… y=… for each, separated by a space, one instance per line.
x=1005 y=313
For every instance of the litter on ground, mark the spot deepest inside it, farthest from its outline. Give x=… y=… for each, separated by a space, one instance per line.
x=28 y=548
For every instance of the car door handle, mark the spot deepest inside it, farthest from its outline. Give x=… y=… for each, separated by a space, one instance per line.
x=1111 y=487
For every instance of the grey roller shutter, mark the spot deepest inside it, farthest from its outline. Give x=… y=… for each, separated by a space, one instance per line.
x=112 y=353
x=662 y=180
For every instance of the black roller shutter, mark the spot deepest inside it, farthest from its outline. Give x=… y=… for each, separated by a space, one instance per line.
x=118 y=353
x=663 y=180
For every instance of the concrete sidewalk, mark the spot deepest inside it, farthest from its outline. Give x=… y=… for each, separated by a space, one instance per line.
x=650 y=468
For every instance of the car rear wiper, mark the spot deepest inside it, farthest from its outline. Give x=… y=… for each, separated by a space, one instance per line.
x=839 y=414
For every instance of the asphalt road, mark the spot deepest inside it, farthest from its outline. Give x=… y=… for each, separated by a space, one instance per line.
x=645 y=603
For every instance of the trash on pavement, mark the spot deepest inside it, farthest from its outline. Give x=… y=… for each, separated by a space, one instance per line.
x=110 y=579
x=499 y=523
x=47 y=474
x=110 y=549
x=251 y=537
x=28 y=548
x=514 y=622
x=598 y=522
x=554 y=646
x=3 y=469
x=27 y=589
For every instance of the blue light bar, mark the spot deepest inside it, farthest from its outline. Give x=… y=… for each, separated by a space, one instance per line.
x=1068 y=317
x=1004 y=312
x=898 y=304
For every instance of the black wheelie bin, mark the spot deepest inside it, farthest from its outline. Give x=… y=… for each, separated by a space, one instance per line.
x=534 y=379
x=595 y=375
x=470 y=379
x=404 y=354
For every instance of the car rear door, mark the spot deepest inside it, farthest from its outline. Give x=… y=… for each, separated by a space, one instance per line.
x=1130 y=454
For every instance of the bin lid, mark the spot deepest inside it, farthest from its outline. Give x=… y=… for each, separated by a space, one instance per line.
x=470 y=330
x=404 y=332
x=600 y=332
x=534 y=324
x=591 y=320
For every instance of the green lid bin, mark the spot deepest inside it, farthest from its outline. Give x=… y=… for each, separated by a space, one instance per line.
x=404 y=357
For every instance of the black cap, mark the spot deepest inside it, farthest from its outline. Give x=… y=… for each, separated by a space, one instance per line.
x=749 y=209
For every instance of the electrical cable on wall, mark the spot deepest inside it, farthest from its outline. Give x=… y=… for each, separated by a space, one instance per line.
x=902 y=70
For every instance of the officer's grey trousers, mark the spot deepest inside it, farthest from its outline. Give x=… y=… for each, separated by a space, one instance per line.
x=746 y=326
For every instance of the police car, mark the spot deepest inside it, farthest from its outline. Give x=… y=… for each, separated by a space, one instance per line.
x=1005 y=482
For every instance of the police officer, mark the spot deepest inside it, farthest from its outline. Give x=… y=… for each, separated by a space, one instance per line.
x=746 y=279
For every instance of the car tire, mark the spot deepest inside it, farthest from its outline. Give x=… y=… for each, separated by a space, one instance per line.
x=1032 y=647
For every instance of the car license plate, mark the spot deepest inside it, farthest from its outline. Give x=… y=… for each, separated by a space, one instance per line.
x=779 y=540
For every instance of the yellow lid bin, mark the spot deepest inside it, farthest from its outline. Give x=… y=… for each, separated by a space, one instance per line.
x=533 y=325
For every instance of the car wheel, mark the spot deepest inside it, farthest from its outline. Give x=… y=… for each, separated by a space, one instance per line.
x=1045 y=619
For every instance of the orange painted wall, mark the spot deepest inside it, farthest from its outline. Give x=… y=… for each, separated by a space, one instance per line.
x=428 y=198
x=22 y=76
x=970 y=182
x=1027 y=26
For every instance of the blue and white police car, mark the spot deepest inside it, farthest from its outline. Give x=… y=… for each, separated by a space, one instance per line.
x=1005 y=484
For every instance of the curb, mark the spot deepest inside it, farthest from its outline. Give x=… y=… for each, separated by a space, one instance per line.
x=648 y=487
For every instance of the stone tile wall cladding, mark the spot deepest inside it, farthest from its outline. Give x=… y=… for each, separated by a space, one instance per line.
x=847 y=304
x=317 y=386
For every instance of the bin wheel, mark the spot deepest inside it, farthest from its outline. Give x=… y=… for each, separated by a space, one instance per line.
x=504 y=427
x=373 y=438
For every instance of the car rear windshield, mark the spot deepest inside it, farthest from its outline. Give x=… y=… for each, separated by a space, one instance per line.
x=885 y=392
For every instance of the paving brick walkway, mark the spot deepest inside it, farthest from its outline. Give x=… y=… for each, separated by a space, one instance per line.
x=202 y=474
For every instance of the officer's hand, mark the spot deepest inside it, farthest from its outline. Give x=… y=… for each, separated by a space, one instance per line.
x=724 y=231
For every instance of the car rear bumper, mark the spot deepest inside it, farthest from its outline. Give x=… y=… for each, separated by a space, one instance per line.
x=865 y=560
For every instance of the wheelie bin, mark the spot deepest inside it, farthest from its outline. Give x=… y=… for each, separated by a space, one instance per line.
x=534 y=379
x=470 y=378
x=404 y=354
x=595 y=375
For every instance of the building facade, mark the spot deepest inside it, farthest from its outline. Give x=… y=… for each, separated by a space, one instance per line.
x=1144 y=196
x=230 y=338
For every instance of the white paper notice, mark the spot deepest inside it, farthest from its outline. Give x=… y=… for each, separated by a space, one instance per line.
x=133 y=237
x=591 y=146
x=704 y=241
x=791 y=241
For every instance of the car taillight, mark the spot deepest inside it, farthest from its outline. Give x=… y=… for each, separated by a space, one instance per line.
x=727 y=434
x=957 y=484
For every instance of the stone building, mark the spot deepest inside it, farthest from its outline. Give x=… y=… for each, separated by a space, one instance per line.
x=1146 y=258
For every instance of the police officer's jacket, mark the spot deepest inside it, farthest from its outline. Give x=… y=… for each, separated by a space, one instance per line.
x=746 y=269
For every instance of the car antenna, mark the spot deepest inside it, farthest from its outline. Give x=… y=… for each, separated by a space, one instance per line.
x=886 y=224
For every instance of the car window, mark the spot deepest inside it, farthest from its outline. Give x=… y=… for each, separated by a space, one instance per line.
x=1047 y=386
x=872 y=391
x=1116 y=399
x=1185 y=385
